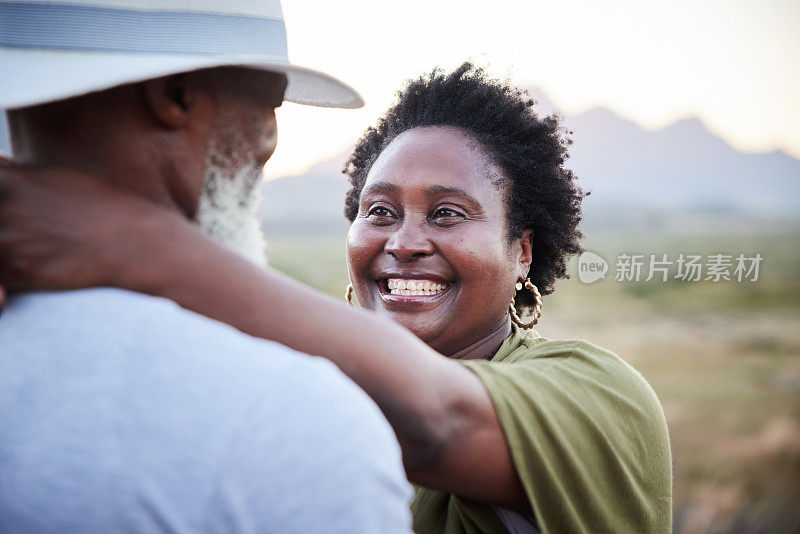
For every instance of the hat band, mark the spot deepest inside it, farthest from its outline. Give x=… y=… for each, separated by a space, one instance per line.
x=98 y=29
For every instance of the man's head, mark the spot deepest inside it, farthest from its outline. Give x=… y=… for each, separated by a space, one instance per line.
x=195 y=141
x=171 y=100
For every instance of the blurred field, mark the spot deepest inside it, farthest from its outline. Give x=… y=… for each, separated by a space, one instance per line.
x=724 y=358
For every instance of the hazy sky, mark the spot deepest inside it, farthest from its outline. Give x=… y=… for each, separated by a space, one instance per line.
x=733 y=64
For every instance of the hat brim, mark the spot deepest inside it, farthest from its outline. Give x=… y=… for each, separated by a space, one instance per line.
x=34 y=77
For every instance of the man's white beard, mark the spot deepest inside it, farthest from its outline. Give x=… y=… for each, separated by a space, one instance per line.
x=227 y=210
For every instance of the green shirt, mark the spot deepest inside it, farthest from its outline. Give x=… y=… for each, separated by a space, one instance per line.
x=587 y=437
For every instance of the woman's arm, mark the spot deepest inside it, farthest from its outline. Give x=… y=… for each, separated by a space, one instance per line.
x=75 y=232
x=442 y=415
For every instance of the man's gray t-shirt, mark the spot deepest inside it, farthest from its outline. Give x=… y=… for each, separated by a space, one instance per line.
x=121 y=412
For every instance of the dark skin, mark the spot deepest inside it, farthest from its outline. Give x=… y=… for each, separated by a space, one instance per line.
x=433 y=208
x=151 y=139
x=443 y=417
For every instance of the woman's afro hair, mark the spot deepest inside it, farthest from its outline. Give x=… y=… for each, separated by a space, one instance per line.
x=530 y=149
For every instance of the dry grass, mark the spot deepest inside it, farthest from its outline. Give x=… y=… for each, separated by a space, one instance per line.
x=730 y=387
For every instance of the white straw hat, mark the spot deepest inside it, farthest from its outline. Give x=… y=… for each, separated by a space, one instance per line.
x=56 y=49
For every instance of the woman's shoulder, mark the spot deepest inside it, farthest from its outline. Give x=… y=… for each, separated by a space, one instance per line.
x=556 y=395
x=579 y=366
x=530 y=346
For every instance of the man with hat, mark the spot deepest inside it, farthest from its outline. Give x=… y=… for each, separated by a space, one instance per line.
x=124 y=412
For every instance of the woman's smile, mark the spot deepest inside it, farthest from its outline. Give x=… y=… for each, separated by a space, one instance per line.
x=414 y=287
x=413 y=292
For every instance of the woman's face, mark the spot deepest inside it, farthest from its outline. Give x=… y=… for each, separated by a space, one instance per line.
x=429 y=247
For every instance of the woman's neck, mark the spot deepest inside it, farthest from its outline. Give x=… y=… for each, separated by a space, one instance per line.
x=486 y=347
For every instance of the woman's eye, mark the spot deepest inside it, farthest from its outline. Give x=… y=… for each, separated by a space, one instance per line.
x=379 y=211
x=380 y=215
x=447 y=214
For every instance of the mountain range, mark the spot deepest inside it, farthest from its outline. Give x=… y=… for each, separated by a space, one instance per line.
x=627 y=168
x=681 y=167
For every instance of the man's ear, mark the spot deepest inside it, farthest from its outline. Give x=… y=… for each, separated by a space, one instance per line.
x=525 y=252
x=171 y=99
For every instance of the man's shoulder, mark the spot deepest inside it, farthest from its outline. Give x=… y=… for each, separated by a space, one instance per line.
x=97 y=308
x=110 y=336
x=229 y=425
x=138 y=334
x=116 y=317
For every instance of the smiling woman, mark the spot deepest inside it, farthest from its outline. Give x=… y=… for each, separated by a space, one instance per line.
x=460 y=207
x=459 y=194
x=428 y=215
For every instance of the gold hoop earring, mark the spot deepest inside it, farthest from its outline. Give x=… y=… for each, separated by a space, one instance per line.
x=348 y=294
x=537 y=308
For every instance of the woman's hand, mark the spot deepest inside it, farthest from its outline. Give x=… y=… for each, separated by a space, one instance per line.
x=64 y=229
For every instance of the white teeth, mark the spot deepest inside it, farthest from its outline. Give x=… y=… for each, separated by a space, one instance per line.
x=399 y=286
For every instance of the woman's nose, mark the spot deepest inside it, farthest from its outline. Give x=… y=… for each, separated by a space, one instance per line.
x=409 y=242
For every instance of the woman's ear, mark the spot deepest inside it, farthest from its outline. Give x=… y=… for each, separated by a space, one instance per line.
x=525 y=252
x=171 y=100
